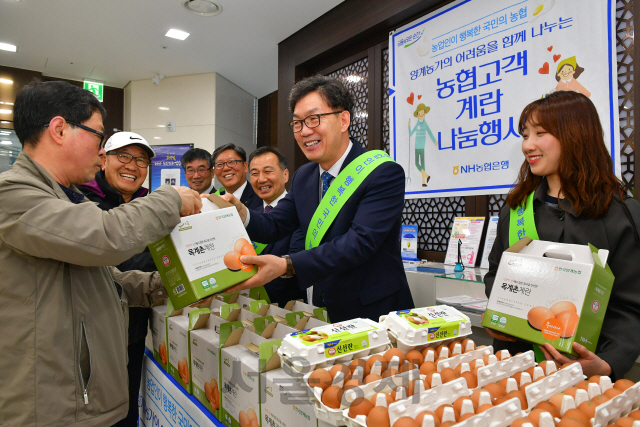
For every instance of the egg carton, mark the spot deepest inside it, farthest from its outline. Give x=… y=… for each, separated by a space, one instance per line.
x=505 y=368
x=619 y=406
x=458 y=359
x=301 y=356
x=542 y=390
x=335 y=416
x=408 y=337
x=501 y=415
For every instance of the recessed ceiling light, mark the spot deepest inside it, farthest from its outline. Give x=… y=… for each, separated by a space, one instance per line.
x=5 y=111
x=177 y=34
x=7 y=81
x=201 y=7
x=8 y=103
x=160 y=126
x=163 y=109
x=5 y=132
x=156 y=137
x=4 y=121
x=6 y=143
x=8 y=47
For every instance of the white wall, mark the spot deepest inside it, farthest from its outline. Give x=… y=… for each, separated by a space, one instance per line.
x=208 y=109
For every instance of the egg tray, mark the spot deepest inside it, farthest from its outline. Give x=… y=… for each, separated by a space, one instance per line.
x=617 y=407
x=335 y=416
x=543 y=389
x=297 y=369
x=501 y=415
x=408 y=338
x=505 y=368
x=428 y=400
x=292 y=351
x=458 y=359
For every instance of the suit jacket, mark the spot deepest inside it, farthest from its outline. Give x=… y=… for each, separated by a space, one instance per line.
x=249 y=198
x=357 y=270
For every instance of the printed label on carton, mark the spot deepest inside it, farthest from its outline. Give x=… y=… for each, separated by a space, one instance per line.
x=442 y=322
x=339 y=338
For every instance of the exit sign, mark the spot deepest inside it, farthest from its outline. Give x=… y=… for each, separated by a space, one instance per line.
x=96 y=88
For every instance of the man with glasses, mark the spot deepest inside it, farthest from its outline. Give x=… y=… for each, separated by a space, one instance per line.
x=197 y=168
x=64 y=308
x=345 y=209
x=230 y=167
x=124 y=169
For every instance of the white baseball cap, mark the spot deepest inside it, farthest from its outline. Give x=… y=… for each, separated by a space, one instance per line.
x=122 y=139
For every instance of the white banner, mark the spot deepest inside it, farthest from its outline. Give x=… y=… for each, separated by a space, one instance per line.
x=461 y=76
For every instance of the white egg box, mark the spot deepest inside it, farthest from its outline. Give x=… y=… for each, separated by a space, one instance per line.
x=494 y=372
x=301 y=357
x=407 y=338
x=539 y=391
x=619 y=406
x=335 y=416
x=458 y=359
x=300 y=368
x=428 y=400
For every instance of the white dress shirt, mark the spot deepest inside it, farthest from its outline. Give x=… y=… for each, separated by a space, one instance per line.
x=275 y=202
x=335 y=169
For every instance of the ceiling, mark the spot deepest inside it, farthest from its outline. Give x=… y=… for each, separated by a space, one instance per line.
x=116 y=41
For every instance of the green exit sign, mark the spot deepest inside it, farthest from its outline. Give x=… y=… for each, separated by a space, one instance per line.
x=96 y=88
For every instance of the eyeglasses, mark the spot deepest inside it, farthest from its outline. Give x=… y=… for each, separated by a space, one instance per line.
x=231 y=163
x=201 y=170
x=312 y=121
x=126 y=158
x=102 y=135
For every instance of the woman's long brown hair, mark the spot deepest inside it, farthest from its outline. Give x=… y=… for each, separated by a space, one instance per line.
x=586 y=169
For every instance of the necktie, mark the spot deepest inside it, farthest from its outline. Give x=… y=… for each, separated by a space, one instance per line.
x=326 y=182
x=267 y=208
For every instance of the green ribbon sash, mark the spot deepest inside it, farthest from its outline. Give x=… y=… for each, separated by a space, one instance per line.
x=521 y=224
x=259 y=247
x=342 y=188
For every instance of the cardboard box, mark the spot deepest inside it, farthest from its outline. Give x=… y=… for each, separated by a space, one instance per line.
x=245 y=355
x=551 y=292
x=308 y=310
x=284 y=400
x=201 y=255
x=159 y=315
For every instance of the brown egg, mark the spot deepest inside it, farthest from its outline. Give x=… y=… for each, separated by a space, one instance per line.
x=389 y=354
x=428 y=367
x=415 y=387
x=447 y=424
x=569 y=422
x=421 y=415
x=483 y=408
x=389 y=373
x=441 y=352
x=359 y=362
x=475 y=397
x=452 y=348
x=378 y=417
x=426 y=350
x=571 y=391
x=320 y=378
x=534 y=416
x=569 y=321
x=544 y=363
x=406 y=366
x=556 y=400
x=360 y=406
x=635 y=415
x=352 y=383
x=232 y=260
x=538 y=315
x=623 y=384
x=448 y=375
x=339 y=368
x=332 y=396
x=475 y=364
x=472 y=380
x=466 y=416
x=243 y=419
x=376 y=358
x=395 y=393
x=414 y=356
x=457 y=405
x=520 y=395
x=374 y=398
x=548 y=407
x=465 y=344
x=600 y=399
x=518 y=422
x=625 y=422
x=371 y=378
x=563 y=306
x=405 y=422
x=239 y=244
x=495 y=390
x=440 y=411
x=588 y=408
x=578 y=415
x=611 y=393
x=248 y=249
x=429 y=379
x=502 y=355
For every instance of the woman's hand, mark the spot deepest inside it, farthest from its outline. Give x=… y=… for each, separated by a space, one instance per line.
x=591 y=364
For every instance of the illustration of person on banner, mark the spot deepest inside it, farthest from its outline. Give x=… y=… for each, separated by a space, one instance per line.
x=567 y=75
x=421 y=129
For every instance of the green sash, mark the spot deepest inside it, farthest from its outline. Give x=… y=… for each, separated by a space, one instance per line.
x=259 y=247
x=339 y=192
x=521 y=224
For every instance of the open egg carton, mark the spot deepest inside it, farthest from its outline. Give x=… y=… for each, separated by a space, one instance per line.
x=337 y=343
x=418 y=327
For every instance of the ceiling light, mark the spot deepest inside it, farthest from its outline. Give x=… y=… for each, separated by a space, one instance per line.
x=5 y=142
x=4 y=132
x=5 y=111
x=8 y=47
x=163 y=109
x=4 y=121
x=177 y=34
x=7 y=81
x=156 y=137
x=201 y=7
x=160 y=126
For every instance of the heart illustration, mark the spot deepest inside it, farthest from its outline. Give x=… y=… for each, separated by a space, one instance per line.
x=544 y=69
x=410 y=97
x=556 y=57
x=550 y=48
x=419 y=96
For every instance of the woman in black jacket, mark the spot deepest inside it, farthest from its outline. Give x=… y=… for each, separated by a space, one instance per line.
x=577 y=199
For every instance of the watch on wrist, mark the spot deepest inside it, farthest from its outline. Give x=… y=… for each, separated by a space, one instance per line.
x=290 y=271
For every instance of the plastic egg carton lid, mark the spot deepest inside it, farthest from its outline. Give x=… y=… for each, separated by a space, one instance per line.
x=420 y=326
x=505 y=368
x=334 y=343
x=542 y=390
x=300 y=366
x=458 y=359
x=617 y=406
x=501 y=415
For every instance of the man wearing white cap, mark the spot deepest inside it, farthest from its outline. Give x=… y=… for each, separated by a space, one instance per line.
x=124 y=169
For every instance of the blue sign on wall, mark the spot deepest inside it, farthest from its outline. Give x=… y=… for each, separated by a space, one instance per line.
x=166 y=167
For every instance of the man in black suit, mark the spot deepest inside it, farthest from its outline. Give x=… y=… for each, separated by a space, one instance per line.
x=197 y=168
x=268 y=173
x=355 y=269
x=230 y=167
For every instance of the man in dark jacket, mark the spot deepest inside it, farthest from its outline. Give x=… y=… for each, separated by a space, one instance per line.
x=197 y=168
x=124 y=169
x=230 y=167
